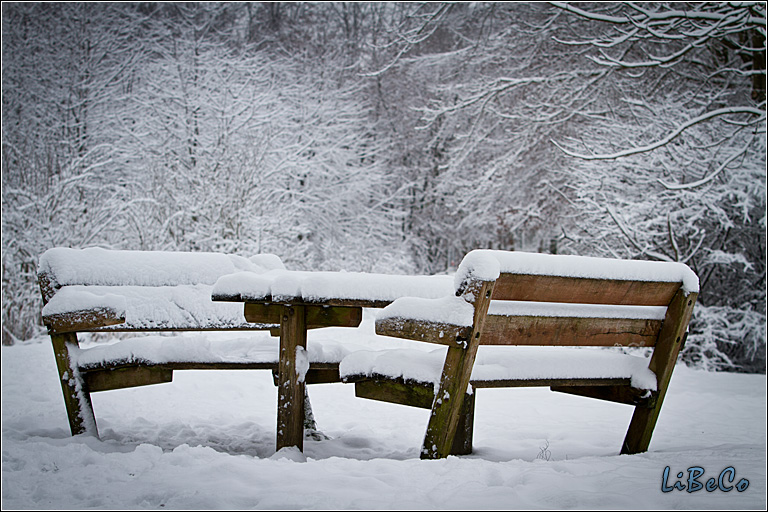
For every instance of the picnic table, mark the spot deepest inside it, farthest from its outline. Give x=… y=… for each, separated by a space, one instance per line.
x=303 y=300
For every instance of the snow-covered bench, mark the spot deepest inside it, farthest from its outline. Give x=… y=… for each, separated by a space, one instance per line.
x=100 y=290
x=527 y=310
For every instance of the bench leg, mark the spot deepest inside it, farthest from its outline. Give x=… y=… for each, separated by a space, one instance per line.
x=446 y=410
x=454 y=381
x=462 y=442
x=77 y=398
x=668 y=345
x=290 y=391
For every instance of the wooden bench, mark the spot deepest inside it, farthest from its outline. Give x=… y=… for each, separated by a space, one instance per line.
x=99 y=290
x=548 y=301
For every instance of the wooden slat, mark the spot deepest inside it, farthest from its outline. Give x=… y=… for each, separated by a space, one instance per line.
x=429 y=332
x=106 y=380
x=323 y=316
x=569 y=331
x=183 y=365
x=212 y=365
x=299 y=301
x=316 y=316
x=316 y=375
x=83 y=320
x=619 y=394
x=396 y=391
x=124 y=327
x=529 y=383
x=583 y=291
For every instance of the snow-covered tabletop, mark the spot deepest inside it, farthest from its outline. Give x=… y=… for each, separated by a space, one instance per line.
x=330 y=288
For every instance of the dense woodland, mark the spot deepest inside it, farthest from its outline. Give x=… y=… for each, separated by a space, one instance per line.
x=393 y=137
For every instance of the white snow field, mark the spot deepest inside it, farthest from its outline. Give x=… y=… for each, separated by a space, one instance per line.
x=207 y=441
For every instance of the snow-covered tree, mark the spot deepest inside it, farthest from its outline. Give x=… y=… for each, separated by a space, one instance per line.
x=64 y=66
x=629 y=130
x=676 y=169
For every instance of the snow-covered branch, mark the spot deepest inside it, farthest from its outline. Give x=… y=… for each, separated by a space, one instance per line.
x=670 y=137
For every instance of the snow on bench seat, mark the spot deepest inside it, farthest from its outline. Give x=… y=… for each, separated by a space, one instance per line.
x=502 y=363
x=159 y=350
x=277 y=285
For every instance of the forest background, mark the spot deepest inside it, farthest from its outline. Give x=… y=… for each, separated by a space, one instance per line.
x=393 y=137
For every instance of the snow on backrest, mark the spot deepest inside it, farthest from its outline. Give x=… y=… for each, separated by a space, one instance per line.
x=546 y=277
x=103 y=267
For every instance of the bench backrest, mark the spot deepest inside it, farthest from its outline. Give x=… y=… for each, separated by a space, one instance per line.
x=541 y=299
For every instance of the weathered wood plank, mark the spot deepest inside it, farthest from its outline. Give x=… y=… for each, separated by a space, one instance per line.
x=316 y=375
x=619 y=394
x=182 y=328
x=316 y=316
x=560 y=331
x=583 y=291
x=181 y=365
x=290 y=390
x=419 y=330
x=83 y=320
x=662 y=363
x=529 y=383
x=298 y=301
x=330 y=316
x=129 y=377
x=396 y=391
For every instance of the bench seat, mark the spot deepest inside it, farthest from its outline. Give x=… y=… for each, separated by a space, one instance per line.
x=257 y=349
x=502 y=366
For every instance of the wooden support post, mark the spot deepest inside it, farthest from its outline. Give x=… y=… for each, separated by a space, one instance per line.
x=421 y=395
x=454 y=382
x=77 y=398
x=290 y=391
x=662 y=363
x=462 y=442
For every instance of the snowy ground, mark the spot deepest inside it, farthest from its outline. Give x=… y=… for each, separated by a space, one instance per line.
x=206 y=441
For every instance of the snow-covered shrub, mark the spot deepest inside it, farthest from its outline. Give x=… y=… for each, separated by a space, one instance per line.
x=726 y=338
